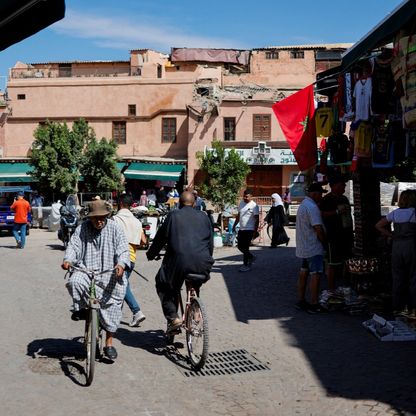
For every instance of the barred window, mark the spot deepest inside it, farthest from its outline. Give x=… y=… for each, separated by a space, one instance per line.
x=297 y=54
x=168 y=130
x=229 y=128
x=272 y=55
x=119 y=132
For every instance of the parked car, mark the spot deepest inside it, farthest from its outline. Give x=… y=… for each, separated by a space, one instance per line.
x=7 y=196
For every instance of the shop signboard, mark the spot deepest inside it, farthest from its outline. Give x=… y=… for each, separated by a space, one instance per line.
x=268 y=156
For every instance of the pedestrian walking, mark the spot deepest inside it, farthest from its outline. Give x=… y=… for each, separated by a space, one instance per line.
x=248 y=217
x=403 y=259
x=277 y=219
x=21 y=209
x=310 y=239
x=336 y=214
x=133 y=230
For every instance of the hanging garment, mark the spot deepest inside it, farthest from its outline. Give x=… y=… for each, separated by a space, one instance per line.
x=338 y=145
x=382 y=101
x=324 y=121
x=348 y=91
x=362 y=95
x=362 y=140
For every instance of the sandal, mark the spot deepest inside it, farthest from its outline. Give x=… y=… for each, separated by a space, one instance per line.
x=110 y=353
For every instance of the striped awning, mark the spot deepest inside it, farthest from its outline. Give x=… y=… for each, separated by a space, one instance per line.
x=154 y=171
x=15 y=172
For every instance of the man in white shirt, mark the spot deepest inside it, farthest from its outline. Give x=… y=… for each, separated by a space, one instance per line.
x=310 y=237
x=248 y=217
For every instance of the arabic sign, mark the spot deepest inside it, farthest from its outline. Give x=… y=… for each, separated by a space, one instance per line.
x=270 y=157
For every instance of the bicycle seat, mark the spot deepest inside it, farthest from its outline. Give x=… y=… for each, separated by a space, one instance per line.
x=197 y=278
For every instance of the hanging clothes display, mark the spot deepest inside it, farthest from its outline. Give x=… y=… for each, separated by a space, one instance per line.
x=382 y=99
x=362 y=139
x=362 y=95
x=324 y=121
x=338 y=147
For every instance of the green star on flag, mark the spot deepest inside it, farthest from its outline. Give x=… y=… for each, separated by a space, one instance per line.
x=304 y=123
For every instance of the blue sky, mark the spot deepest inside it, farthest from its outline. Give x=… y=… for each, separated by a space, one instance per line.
x=108 y=29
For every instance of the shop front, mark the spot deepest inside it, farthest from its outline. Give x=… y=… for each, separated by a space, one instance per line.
x=272 y=169
x=372 y=99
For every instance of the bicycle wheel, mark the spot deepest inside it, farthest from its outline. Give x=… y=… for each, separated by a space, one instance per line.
x=197 y=333
x=90 y=344
x=270 y=231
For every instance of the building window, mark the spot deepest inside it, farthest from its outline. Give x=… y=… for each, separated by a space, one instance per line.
x=297 y=54
x=21 y=96
x=229 y=128
x=168 y=130
x=272 y=55
x=119 y=132
x=132 y=110
x=261 y=127
x=65 y=70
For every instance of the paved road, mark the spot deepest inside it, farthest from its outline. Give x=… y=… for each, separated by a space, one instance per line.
x=315 y=365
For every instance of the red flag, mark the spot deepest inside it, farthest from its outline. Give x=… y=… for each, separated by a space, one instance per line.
x=296 y=118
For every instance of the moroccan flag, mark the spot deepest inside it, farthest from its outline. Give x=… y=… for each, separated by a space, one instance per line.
x=296 y=118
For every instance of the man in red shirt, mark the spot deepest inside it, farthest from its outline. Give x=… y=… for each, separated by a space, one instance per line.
x=21 y=209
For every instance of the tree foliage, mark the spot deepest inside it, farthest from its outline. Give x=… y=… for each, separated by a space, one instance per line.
x=55 y=155
x=225 y=173
x=98 y=166
x=60 y=155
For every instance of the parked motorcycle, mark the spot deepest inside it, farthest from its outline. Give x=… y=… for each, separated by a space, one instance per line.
x=69 y=219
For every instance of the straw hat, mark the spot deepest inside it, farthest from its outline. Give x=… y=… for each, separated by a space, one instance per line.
x=98 y=209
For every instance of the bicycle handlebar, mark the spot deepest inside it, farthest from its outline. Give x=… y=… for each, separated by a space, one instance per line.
x=90 y=272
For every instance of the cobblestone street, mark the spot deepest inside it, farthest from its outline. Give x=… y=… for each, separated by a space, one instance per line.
x=306 y=364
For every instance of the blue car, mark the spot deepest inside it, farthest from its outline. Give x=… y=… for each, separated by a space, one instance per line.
x=7 y=196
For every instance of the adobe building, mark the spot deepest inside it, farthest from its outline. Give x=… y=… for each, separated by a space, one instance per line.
x=163 y=109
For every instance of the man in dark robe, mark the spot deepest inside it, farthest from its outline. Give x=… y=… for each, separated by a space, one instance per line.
x=187 y=234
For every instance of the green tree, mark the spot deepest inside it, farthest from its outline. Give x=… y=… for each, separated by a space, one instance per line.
x=98 y=166
x=55 y=155
x=225 y=173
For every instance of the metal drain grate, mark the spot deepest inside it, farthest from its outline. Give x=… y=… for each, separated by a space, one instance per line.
x=228 y=363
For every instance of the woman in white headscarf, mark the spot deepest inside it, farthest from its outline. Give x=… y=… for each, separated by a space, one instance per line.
x=276 y=217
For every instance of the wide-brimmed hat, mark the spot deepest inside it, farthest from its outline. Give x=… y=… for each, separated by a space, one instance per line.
x=316 y=187
x=98 y=208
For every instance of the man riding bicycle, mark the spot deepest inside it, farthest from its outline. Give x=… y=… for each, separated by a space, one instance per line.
x=99 y=244
x=187 y=234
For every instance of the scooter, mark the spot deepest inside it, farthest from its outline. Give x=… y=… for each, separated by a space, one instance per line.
x=69 y=220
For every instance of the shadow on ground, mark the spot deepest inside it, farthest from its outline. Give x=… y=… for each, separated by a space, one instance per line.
x=54 y=356
x=348 y=361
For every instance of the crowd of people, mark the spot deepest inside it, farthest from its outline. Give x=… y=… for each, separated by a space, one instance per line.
x=324 y=241
x=103 y=243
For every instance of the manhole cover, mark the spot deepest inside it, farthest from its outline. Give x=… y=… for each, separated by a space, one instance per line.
x=228 y=363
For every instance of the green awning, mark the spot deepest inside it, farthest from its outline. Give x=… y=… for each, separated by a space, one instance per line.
x=153 y=171
x=15 y=172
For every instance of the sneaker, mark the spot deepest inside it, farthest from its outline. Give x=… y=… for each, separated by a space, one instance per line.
x=18 y=244
x=244 y=269
x=137 y=318
x=174 y=325
x=302 y=305
x=314 y=309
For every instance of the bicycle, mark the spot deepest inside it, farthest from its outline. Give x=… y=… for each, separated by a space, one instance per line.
x=93 y=329
x=194 y=322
